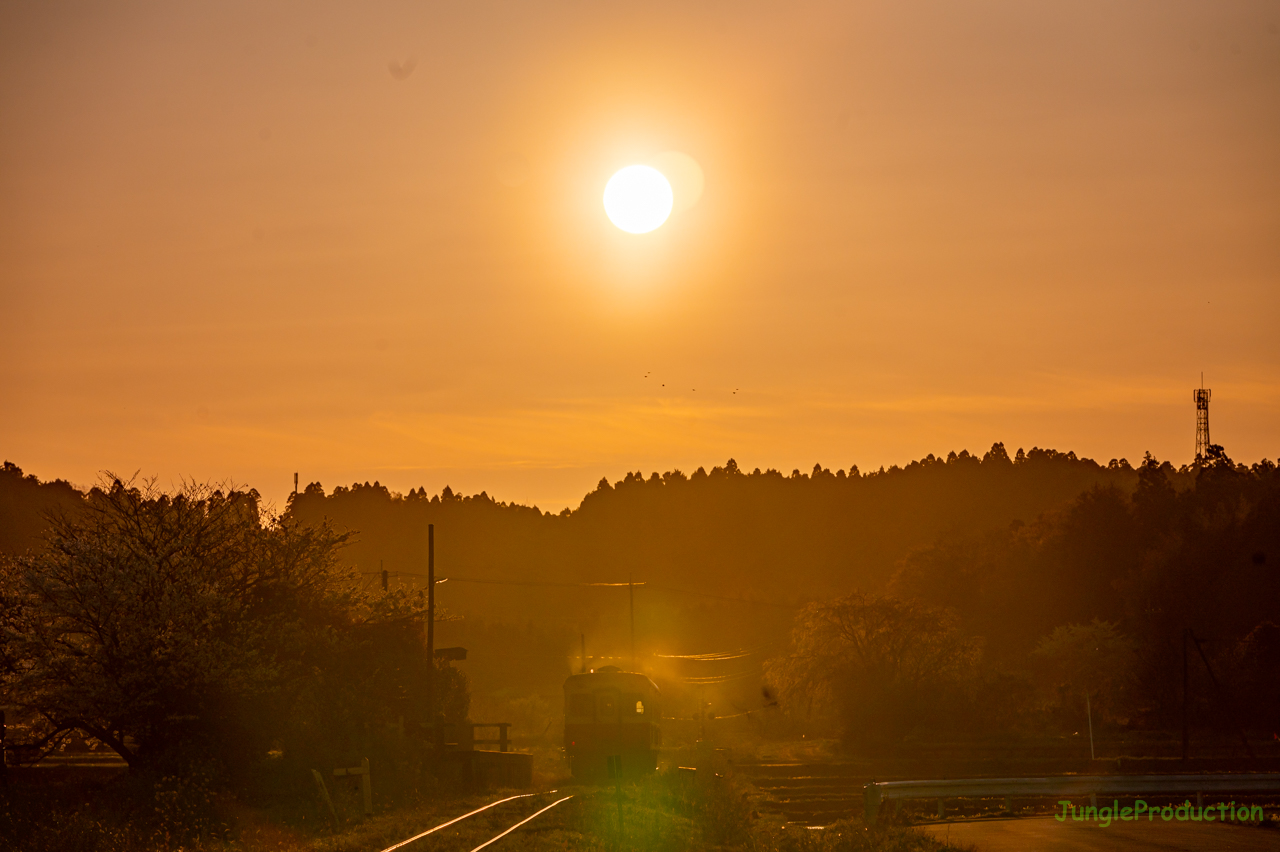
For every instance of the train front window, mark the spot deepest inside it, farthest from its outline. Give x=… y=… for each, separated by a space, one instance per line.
x=640 y=707
x=581 y=704
x=608 y=707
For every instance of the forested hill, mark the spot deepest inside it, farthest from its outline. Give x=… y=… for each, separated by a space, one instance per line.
x=25 y=503
x=760 y=534
x=1010 y=553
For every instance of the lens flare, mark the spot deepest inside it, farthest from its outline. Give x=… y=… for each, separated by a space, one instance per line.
x=638 y=199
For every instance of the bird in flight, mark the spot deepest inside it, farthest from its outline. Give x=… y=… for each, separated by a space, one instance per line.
x=401 y=70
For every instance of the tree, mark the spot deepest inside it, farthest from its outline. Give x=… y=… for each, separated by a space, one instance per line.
x=24 y=503
x=188 y=623
x=1093 y=660
x=878 y=662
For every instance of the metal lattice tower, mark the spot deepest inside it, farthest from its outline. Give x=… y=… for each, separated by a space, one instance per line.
x=1201 y=396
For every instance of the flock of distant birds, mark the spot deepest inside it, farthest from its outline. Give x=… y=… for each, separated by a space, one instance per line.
x=694 y=390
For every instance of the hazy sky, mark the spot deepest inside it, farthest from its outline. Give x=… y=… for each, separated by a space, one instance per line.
x=366 y=240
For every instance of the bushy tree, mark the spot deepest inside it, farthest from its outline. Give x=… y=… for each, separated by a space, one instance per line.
x=190 y=624
x=1094 y=660
x=1188 y=549
x=882 y=664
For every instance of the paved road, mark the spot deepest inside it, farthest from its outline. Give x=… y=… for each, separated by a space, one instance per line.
x=1046 y=834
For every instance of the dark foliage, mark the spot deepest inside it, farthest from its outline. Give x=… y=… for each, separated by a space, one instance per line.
x=185 y=630
x=765 y=533
x=1186 y=550
x=883 y=665
x=25 y=506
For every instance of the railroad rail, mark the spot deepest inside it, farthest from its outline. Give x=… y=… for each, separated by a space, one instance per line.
x=530 y=818
x=875 y=793
x=496 y=837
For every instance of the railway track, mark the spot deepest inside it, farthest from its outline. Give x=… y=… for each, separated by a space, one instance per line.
x=809 y=793
x=495 y=838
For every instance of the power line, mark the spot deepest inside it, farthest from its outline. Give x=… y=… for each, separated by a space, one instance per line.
x=493 y=582
x=703 y=658
x=533 y=582
x=709 y=681
x=718 y=656
x=721 y=597
x=735 y=715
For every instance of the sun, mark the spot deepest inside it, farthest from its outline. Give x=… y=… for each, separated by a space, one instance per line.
x=638 y=199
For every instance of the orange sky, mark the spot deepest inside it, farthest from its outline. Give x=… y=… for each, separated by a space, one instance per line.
x=233 y=244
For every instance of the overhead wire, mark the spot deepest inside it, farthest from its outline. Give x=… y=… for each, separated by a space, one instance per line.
x=708 y=681
x=718 y=656
x=496 y=582
x=493 y=582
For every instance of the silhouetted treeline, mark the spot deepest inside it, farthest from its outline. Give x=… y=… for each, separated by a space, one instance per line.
x=1014 y=547
x=774 y=540
x=25 y=504
x=1195 y=551
x=727 y=531
x=1029 y=561
x=189 y=631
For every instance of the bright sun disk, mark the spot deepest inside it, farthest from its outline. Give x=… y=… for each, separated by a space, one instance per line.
x=638 y=199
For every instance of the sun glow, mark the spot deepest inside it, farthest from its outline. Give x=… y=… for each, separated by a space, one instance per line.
x=638 y=199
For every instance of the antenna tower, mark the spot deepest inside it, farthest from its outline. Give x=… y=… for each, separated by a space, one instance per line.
x=1201 y=396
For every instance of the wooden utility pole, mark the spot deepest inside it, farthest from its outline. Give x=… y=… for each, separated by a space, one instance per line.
x=1088 y=708
x=1186 y=737
x=631 y=597
x=431 y=624
x=323 y=792
x=1226 y=701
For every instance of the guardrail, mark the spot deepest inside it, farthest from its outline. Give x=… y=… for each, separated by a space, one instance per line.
x=1066 y=785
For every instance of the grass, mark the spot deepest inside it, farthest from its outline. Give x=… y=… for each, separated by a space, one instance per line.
x=665 y=812
x=95 y=811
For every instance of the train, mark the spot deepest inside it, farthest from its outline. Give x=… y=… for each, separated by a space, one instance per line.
x=611 y=723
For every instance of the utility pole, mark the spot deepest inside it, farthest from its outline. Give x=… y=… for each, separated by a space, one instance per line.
x=384 y=576
x=1186 y=738
x=584 y=652
x=431 y=625
x=1088 y=708
x=631 y=595
x=295 y=484
x=1227 y=703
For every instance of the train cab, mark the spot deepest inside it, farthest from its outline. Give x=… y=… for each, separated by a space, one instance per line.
x=611 y=714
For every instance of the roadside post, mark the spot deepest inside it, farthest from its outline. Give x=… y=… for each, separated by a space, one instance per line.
x=870 y=803
x=323 y=792
x=366 y=792
x=615 y=772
